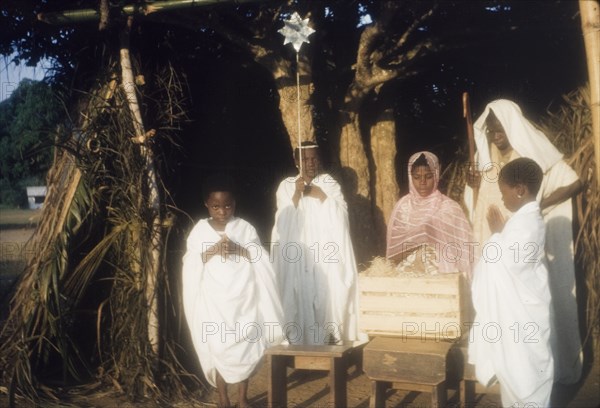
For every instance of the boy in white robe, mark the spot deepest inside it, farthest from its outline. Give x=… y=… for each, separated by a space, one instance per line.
x=230 y=295
x=503 y=134
x=510 y=337
x=313 y=256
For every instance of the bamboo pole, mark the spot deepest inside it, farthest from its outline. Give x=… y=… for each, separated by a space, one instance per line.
x=129 y=88
x=138 y=9
x=590 y=25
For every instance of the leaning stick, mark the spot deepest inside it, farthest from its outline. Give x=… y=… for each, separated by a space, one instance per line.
x=471 y=137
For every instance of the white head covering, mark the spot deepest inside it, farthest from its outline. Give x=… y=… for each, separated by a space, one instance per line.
x=524 y=137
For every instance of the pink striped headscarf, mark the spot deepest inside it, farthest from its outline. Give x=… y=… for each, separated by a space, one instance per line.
x=436 y=220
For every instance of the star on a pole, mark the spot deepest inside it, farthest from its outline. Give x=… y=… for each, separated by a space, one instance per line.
x=296 y=31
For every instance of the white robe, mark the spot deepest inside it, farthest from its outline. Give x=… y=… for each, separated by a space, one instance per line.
x=566 y=341
x=231 y=304
x=528 y=141
x=315 y=264
x=510 y=337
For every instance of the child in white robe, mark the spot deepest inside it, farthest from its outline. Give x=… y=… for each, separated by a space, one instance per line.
x=230 y=295
x=313 y=256
x=510 y=337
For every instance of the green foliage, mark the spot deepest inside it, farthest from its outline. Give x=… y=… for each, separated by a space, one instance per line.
x=28 y=120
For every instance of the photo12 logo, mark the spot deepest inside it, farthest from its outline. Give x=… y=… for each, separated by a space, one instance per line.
x=253 y=332
x=489 y=332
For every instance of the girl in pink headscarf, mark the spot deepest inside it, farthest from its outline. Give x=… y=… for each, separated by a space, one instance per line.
x=426 y=216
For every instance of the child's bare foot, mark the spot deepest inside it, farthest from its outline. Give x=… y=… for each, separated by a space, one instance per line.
x=224 y=405
x=243 y=395
x=222 y=390
x=224 y=401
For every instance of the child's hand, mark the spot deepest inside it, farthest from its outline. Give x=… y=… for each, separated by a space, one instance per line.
x=300 y=185
x=229 y=247
x=473 y=178
x=495 y=219
x=225 y=245
x=315 y=191
x=221 y=248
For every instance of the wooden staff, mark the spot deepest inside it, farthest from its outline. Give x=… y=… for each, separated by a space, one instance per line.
x=298 y=114
x=471 y=138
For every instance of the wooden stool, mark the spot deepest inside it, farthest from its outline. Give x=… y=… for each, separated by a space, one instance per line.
x=335 y=359
x=468 y=380
x=406 y=364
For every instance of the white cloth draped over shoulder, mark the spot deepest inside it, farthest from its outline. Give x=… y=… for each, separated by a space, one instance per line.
x=231 y=304
x=510 y=337
x=528 y=141
x=315 y=264
x=436 y=220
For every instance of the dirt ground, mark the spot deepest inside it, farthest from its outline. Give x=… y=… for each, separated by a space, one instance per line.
x=310 y=388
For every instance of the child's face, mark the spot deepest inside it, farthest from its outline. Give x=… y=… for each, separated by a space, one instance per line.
x=510 y=196
x=221 y=207
x=423 y=180
x=310 y=163
x=495 y=133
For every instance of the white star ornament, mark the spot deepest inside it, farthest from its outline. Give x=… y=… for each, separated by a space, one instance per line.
x=296 y=31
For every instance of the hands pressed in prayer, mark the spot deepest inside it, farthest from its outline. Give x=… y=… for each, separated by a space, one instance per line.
x=495 y=219
x=225 y=247
x=229 y=247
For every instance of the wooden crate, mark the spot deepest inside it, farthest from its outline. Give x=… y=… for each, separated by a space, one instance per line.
x=431 y=307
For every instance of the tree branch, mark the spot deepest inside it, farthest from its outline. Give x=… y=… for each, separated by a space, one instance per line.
x=261 y=54
x=369 y=70
x=408 y=56
x=402 y=40
x=364 y=60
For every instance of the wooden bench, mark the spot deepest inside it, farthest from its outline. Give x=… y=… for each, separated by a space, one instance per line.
x=406 y=364
x=335 y=359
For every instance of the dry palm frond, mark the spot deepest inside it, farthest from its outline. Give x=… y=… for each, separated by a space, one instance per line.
x=92 y=252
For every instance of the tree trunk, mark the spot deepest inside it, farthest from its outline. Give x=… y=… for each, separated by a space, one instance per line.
x=285 y=79
x=356 y=180
x=385 y=186
x=590 y=24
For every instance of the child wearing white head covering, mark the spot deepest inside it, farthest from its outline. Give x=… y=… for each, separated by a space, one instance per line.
x=503 y=134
